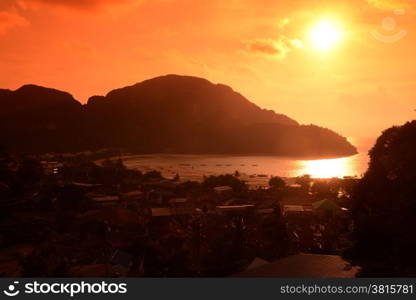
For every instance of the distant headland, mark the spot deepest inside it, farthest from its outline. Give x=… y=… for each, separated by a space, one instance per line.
x=167 y=114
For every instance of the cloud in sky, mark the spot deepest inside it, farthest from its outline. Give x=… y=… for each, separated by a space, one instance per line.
x=283 y=23
x=76 y=4
x=389 y=4
x=81 y=49
x=9 y=20
x=270 y=47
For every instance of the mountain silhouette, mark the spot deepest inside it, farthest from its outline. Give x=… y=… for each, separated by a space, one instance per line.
x=36 y=119
x=172 y=114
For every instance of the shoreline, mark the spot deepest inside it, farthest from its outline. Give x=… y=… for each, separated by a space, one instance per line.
x=256 y=170
x=283 y=157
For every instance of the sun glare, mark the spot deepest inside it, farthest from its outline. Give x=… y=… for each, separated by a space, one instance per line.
x=327 y=168
x=325 y=35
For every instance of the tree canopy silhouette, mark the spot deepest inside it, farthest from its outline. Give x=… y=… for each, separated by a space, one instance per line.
x=384 y=207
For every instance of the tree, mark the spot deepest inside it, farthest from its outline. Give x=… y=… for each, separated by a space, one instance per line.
x=177 y=177
x=276 y=182
x=72 y=198
x=30 y=171
x=152 y=175
x=325 y=189
x=304 y=181
x=384 y=207
x=3 y=152
x=225 y=180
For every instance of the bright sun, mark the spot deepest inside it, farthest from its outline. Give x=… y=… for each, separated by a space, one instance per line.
x=325 y=35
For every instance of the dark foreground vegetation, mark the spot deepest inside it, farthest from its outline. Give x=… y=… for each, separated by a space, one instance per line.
x=68 y=216
x=77 y=218
x=384 y=207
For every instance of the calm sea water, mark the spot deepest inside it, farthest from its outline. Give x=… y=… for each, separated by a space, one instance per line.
x=194 y=167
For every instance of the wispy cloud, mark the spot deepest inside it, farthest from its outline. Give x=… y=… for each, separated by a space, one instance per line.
x=10 y=20
x=283 y=23
x=278 y=48
x=81 y=49
x=389 y=4
x=76 y=4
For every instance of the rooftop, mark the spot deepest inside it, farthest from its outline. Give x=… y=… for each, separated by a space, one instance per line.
x=304 y=266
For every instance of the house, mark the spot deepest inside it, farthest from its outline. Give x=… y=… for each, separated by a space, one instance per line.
x=85 y=185
x=287 y=209
x=256 y=263
x=159 y=197
x=178 y=201
x=265 y=211
x=161 y=211
x=92 y=270
x=10 y=268
x=223 y=189
x=4 y=187
x=237 y=210
x=104 y=200
x=122 y=262
x=327 y=205
x=133 y=195
x=303 y=266
x=113 y=215
x=51 y=167
x=171 y=211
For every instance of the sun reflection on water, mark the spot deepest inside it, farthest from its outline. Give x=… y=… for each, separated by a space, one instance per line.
x=327 y=168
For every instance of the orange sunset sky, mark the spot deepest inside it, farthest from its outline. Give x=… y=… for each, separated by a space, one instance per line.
x=262 y=48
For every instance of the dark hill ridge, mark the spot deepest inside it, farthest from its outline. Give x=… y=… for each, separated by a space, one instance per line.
x=198 y=98
x=177 y=114
x=38 y=119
